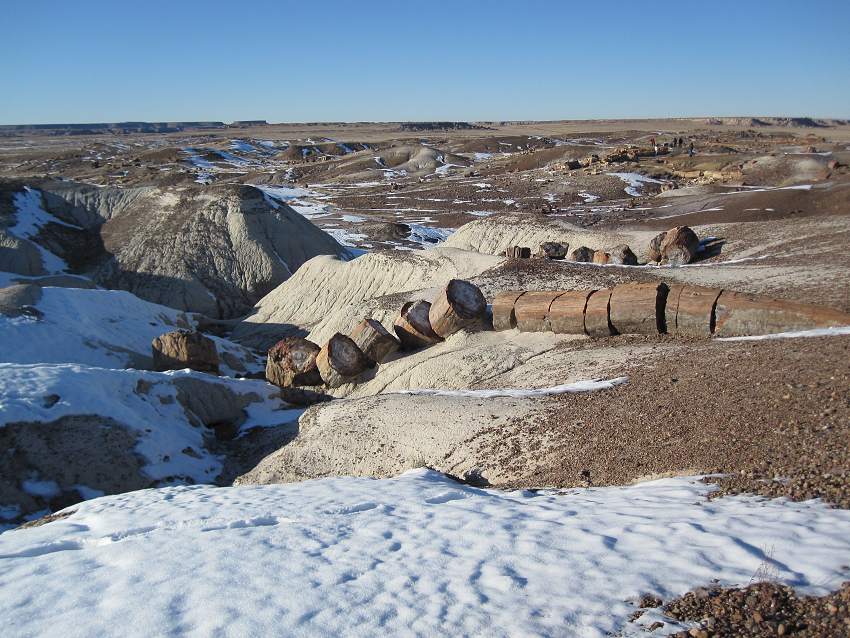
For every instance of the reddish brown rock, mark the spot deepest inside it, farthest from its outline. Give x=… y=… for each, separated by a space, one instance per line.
x=654 y=253
x=596 y=322
x=340 y=361
x=583 y=254
x=504 y=317
x=292 y=361
x=518 y=252
x=185 y=349
x=638 y=308
x=690 y=310
x=553 y=250
x=566 y=314
x=458 y=305
x=622 y=254
x=374 y=340
x=680 y=246
x=600 y=257
x=413 y=326
x=742 y=314
x=532 y=310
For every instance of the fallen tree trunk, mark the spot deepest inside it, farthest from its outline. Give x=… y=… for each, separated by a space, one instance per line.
x=413 y=326
x=292 y=361
x=690 y=310
x=504 y=316
x=566 y=314
x=532 y=310
x=638 y=308
x=374 y=340
x=742 y=314
x=458 y=305
x=340 y=361
x=596 y=322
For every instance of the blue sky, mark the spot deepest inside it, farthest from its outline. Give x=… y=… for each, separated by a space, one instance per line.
x=92 y=61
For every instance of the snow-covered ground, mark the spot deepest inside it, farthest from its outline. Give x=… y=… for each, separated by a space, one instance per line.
x=145 y=402
x=104 y=328
x=635 y=182
x=415 y=555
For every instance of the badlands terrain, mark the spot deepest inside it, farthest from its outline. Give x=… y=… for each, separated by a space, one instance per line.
x=508 y=478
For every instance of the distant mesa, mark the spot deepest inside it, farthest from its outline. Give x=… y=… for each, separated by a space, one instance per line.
x=441 y=126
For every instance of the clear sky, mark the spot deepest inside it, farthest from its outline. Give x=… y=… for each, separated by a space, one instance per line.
x=314 y=60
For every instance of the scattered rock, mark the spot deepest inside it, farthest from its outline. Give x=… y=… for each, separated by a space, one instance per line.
x=622 y=254
x=185 y=349
x=679 y=246
x=292 y=361
x=553 y=250
x=583 y=254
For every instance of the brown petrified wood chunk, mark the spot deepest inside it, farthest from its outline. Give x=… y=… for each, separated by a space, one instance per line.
x=459 y=304
x=596 y=323
x=340 y=361
x=518 y=252
x=566 y=314
x=185 y=349
x=374 y=340
x=654 y=252
x=622 y=254
x=741 y=314
x=292 y=361
x=638 y=308
x=504 y=317
x=679 y=246
x=600 y=257
x=690 y=310
x=413 y=326
x=583 y=253
x=532 y=310
x=553 y=250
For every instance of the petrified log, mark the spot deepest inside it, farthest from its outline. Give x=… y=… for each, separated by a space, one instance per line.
x=413 y=326
x=654 y=252
x=596 y=323
x=622 y=254
x=600 y=257
x=741 y=314
x=504 y=317
x=518 y=252
x=374 y=340
x=679 y=246
x=459 y=304
x=553 y=250
x=185 y=349
x=340 y=361
x=583 y=253
x=690 y=310
x=566 y=314
x=532 y=310
x=292 y=361
x=638 y=308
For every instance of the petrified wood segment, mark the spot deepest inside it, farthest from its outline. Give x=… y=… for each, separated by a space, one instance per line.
x=413 y=326
x=741 y=314
x=553 y=250
x=504 y=317
x=638 y=308
x=374 y=340
x=596 y=323
x=690 y=310
x=292 y=361
x=459 y=304
x=340 y=361
x=566 y=314
x=532 y=310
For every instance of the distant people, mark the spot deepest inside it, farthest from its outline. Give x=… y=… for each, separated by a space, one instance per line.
x=691 y=149
x=681 y=142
